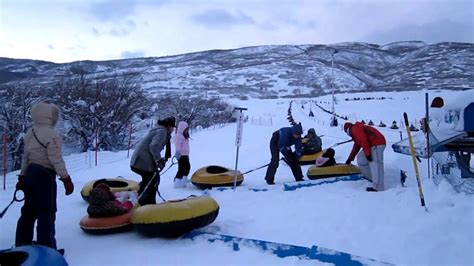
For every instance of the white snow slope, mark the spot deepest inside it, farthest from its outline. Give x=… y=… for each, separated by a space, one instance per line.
x=388 y=226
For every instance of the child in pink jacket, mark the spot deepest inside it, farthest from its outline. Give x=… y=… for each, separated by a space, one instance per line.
x=182 y=154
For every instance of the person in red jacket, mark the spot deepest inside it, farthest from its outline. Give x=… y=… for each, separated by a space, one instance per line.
x=370 y=160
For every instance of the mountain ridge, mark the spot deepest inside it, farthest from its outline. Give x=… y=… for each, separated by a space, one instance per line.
x=274 y=70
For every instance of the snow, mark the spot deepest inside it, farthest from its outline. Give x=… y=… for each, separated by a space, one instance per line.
x=414 y=44
x=389 y=226
x=451 y=115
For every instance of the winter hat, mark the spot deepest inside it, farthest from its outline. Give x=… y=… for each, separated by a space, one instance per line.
x=297 y=129
x=347 y=127
x=103 y=186
x=312 y=131
x=169 y=121
x=329 y=153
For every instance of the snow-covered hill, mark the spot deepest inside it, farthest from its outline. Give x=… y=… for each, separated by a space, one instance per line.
x=388 y=226
x=266 y=71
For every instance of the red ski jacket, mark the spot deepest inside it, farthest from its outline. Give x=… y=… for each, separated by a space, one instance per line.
x=365 y=137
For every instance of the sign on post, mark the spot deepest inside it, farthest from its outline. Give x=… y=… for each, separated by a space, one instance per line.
x=240 y=127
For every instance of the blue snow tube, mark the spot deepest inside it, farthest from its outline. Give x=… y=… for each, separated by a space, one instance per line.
x=33 y=255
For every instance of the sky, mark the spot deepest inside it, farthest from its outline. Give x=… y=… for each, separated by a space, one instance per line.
x=70 y=30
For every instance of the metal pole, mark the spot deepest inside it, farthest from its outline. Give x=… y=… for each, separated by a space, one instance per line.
x=333 y=111
x=415 y=165
x=332 y=84
x=427 y=129
x=235 y=170
x=238 y=140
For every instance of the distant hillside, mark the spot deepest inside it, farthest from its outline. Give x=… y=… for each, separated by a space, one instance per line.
x=279 y=70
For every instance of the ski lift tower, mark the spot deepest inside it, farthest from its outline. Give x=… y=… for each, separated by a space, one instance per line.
x=333 y=118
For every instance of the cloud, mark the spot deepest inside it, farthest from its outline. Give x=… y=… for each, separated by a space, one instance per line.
x=437 y=31
x=95 y=32
x=112 y=10
x=220 y=18
x=130 y=54
x=119 y=30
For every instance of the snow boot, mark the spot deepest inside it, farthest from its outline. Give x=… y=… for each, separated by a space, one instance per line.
x=179 y=183
x=270 y=182
x=371 y=189
x=186 y=180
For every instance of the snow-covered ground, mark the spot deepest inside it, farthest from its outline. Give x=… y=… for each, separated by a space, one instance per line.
x=389 y=226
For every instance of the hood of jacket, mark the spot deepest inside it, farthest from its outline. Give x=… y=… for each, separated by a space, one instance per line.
x=45 y=114
x=297 y=129
x=181 y=127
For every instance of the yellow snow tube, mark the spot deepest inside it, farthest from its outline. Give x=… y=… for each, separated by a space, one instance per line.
x=115 y=184
x=315 y=172
x=215 y=176
x=310 y=158
x=171 y=219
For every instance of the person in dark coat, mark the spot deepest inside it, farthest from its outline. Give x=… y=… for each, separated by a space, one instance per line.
x=281 y=142
x=311 y=143
x=42 y=161
x=370 y=160
x=147 y=161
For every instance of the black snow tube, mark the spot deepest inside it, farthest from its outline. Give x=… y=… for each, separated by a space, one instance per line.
x=172 y=219
x=215 y=176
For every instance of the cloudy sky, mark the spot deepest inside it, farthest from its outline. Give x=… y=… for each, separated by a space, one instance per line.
x=70 y=30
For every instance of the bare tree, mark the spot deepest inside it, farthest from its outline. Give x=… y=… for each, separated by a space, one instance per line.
x=15 y=105
x=99 y=110
x=196 y=111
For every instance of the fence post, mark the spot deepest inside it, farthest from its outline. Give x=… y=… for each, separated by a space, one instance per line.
x=129 y=140
x=96 y=142
x=5 y=161
x=86 y=156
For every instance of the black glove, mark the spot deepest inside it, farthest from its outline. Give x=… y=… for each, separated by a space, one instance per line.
x=68 y=185
x=20 y=185
x=160 y=164
x=348 y=161
x=369 y=158
x=298 y=156
x=286 y=152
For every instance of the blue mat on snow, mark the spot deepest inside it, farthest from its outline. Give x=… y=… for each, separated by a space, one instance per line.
x=318 y=182
x=314 y=253
x=290 y=186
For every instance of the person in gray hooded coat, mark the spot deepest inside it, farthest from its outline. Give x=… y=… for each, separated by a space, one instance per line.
x=42 y=161
x=147 y=161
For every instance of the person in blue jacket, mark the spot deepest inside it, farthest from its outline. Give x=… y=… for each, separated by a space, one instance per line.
x=281 y=142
